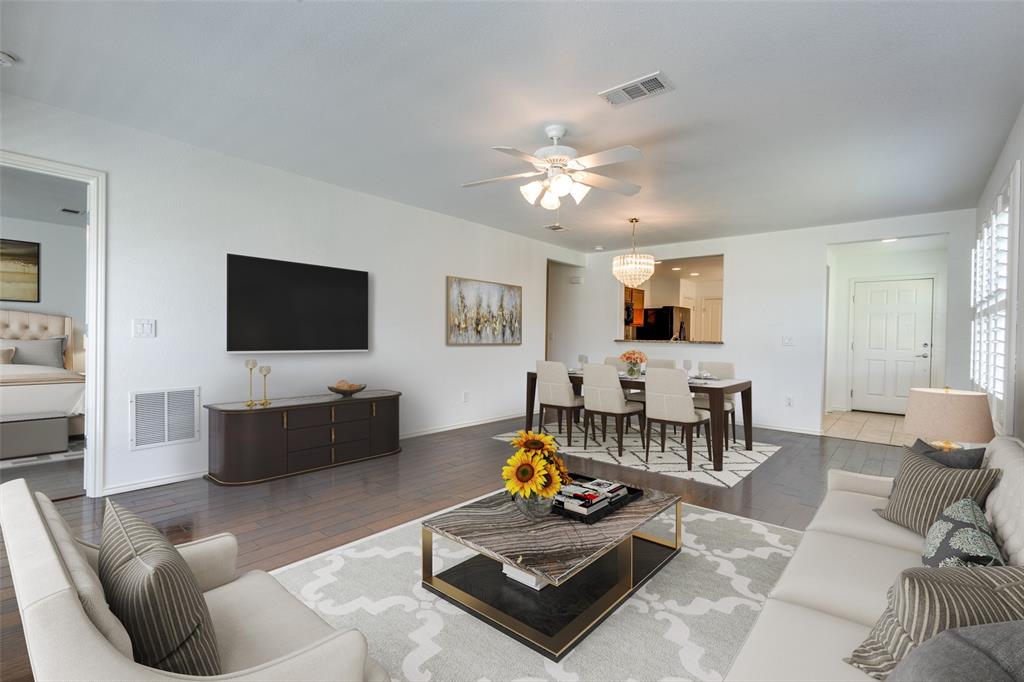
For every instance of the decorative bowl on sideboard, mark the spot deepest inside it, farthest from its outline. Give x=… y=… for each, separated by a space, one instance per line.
x=347 y=392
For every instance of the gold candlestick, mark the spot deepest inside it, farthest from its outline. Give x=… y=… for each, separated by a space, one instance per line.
x=265 y=370
x=250 y=365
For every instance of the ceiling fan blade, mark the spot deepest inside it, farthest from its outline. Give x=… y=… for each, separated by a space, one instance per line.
x=606 y=158
x=604 y=182
x=528 y=158
x=517 y=176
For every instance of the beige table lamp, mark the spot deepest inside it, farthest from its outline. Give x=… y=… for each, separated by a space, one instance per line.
x=943 y=415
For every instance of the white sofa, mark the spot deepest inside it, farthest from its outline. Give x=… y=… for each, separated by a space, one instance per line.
x=263 y=632
x=834 y=588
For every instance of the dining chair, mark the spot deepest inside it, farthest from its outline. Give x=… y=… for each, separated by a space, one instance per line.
x=661 y=363
x=602 y=395
x=614 y=360
x=720 y=370
x=669 y=402
x=627 y=393
x=554 y=391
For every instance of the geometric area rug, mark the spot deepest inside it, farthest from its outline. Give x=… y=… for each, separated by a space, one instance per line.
x=736 y=462
x=688 y=622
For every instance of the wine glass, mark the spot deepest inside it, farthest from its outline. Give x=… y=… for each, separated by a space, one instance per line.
x=265 y=370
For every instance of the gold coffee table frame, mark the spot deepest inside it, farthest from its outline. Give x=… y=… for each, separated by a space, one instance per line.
x=559 y=644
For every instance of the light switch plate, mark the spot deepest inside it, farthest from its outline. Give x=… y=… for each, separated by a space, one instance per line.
x=143 y=328
x=787 y=341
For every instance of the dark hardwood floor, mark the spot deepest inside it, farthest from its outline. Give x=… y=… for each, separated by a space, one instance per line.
x=283 y=521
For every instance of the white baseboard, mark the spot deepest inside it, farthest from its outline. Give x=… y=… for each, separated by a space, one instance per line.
x=462 y=425
x=790 y=429
x=150 y=482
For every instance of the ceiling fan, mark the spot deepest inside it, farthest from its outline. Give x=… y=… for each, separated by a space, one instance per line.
x=565 y=173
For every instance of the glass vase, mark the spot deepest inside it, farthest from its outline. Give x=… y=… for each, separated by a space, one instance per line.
x=633 y=369
x=534 y=507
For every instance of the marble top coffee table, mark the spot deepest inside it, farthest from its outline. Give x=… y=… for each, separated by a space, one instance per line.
x=584 y=571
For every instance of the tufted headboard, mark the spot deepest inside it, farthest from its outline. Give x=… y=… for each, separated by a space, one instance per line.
x=17 y=324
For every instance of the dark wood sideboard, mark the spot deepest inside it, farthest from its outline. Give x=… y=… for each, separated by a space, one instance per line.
x=294 y=435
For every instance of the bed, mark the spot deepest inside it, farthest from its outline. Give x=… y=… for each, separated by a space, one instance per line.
x=30 y=391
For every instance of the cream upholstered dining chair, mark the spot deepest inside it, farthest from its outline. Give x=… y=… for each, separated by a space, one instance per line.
x=720 y=370
x=669 y=402
x=661 y=363
x=602 y=395
x=555 y=392
x=614 y=360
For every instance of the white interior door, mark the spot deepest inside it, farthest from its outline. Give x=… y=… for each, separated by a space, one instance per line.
x=892 y=343
x=711 y=326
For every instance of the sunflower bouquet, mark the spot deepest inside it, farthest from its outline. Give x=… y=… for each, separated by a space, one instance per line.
x=535 y=468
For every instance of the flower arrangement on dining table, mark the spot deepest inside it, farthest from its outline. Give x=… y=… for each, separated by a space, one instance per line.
x=633 y=360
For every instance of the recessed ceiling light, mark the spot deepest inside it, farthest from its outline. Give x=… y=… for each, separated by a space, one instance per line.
x=598 y=248
x=676 y=269
x=694 y=274
x=7 y=59
x=889 y=241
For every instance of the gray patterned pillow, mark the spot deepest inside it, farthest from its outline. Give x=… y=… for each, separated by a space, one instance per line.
x=926 y=601
x=923 y=488
x=961 y=536
x=153 y=592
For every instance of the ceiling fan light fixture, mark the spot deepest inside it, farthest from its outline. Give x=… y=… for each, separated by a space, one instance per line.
x=560 y=183
x=578 y=191
x=550 y=201
x=633 y=269
x=531 y=191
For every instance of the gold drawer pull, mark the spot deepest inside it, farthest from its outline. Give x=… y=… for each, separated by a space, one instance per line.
x=332 y=412
x=332 y=434
x=284 y=419
x=373 y=409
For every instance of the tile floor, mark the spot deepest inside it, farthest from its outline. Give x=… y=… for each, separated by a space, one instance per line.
x=869 y=427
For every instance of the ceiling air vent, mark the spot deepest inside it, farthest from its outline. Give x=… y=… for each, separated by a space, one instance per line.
x=164 y=417
x=555 y=227
x=637 y=89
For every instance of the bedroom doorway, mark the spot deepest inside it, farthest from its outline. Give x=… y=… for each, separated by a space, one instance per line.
x=51 y=333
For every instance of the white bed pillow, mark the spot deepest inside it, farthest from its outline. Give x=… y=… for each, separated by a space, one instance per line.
x=43 y=352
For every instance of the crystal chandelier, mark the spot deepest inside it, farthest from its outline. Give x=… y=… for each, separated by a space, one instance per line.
x=633 y=269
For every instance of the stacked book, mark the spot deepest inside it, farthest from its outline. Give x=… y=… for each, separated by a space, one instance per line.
x=588 y=497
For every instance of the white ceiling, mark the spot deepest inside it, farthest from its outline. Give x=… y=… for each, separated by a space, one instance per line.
x=784 y=115
x=37 y=196
x=709 y=267
x=933 y=242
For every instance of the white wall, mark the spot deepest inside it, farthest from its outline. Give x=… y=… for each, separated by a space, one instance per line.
x=174 y=212
x=877 y=261
x=61 y=271
x=775 y=286
x=1012 y=152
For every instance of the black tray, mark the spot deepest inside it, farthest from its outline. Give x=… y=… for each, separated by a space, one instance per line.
x=632 y=495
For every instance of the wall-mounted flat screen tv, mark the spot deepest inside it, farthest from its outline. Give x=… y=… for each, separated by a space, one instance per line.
x=276 y=305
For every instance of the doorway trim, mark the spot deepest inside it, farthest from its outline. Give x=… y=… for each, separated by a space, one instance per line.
x=938 y=370
x=95 y=304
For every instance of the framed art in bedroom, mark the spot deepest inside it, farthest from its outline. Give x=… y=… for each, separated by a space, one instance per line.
x=483 y=313
x=19 y=271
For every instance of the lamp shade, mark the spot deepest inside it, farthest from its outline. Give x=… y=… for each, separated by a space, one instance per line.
x=944 y=414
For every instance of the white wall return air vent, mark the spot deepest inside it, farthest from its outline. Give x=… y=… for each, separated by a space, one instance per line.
x=637 y=89
x=164 y=417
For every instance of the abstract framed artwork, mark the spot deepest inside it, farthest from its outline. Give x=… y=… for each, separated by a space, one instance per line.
x=483 y=313
x=19 y=271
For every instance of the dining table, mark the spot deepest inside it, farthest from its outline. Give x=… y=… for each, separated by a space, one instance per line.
x=715 y=389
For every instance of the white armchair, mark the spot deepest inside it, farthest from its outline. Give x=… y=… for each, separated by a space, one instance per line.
x=263 y=632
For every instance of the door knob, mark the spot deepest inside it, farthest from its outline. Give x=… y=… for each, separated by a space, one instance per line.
x=922 y=355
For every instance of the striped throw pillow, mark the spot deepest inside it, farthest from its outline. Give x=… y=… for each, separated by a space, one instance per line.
x=923 y=488
x=926 y=601
x=154 y=594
